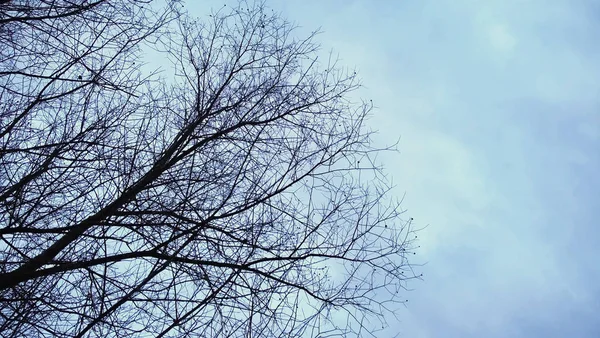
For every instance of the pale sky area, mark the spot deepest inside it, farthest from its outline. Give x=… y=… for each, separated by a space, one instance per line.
x=497 y=106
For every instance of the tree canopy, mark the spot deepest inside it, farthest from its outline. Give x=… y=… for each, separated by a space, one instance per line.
x=233 y=193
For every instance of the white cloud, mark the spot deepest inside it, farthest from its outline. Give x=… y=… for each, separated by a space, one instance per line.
x=501 y=39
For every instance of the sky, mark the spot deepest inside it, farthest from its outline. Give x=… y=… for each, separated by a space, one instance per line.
x=497 y=108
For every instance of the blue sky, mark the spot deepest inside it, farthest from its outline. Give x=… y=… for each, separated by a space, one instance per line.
x=496 y=103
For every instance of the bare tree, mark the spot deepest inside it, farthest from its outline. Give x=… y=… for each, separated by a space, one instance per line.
x=233 y=194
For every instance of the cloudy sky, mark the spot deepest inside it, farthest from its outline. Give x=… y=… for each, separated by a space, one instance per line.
x=496 y=103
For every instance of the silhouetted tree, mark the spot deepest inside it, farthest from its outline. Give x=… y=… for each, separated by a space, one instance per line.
x=233 y=194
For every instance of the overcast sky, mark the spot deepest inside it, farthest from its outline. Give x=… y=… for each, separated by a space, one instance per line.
x=496 y=103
